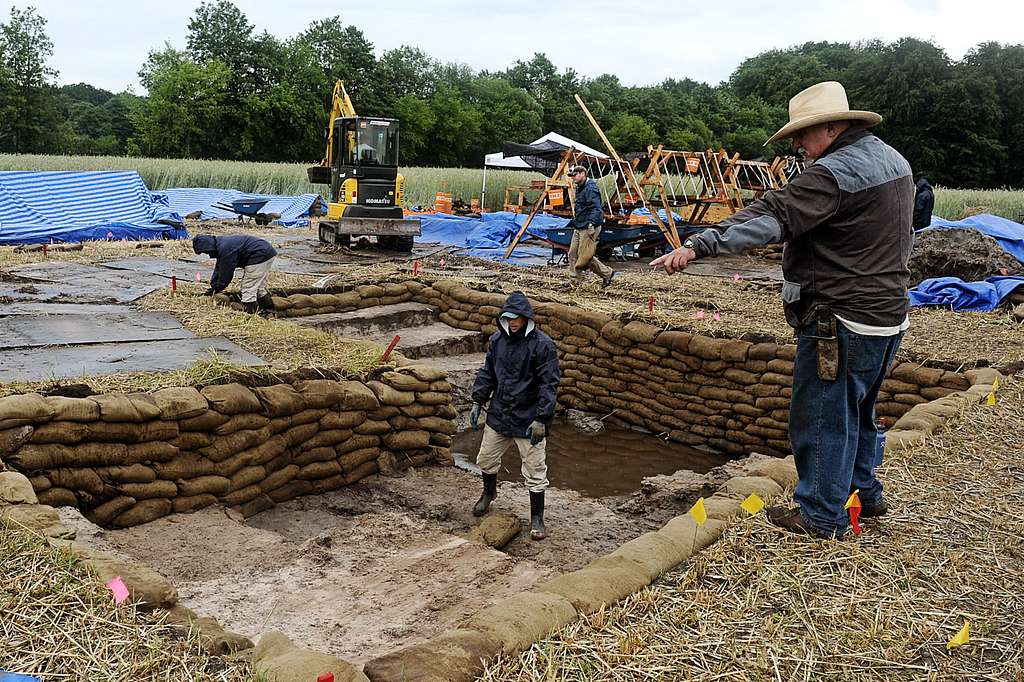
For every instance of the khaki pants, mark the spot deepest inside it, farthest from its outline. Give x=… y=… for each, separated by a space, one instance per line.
x=535 y=468
x=583 y=253
x=254 y=280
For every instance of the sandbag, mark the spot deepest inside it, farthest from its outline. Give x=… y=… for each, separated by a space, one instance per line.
x=231 y=399
x=372 y=427
x=417 y=410
x=357 y=396
x=314 y=455
x=390 y=396
x=437 y=425
x=432 y=398
x=297 y=435
x=242 y=496
x=268 y=451
x=307 y=416
x=109 y=510
x=406 y=440
x=248 y=421
x=290 y=490
x=231 y=444
x=360 y=472
x=73 y=409
x=279 y=659
x=319 y=470
x=212 y=485
x=192 y=440
x=148 y=491
x=27 y=408
x=15 y=488
x=143 y=512
x=127 y=407
x=207 y=421
x=384 y=413
x=353 y=460
x=151 y=452
x=86 y=480
x=13 y=438
x=132 y=432
x=65 y=433
x=246 y=476
x=342 y=420
x=131 y=473
x=181 y=505
x=180 y=402
x=280 y=400
x=260 y=503
x=424 y=372
x=323 y=393
x=279 y=478
x=185 y=465
x=327 y=438
x=404 y=382
x=58 y=497
x=147 y=588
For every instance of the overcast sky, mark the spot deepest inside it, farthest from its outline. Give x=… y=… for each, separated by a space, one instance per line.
x=106 y=41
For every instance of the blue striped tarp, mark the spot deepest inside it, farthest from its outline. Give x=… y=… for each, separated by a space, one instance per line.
x=73 y=206
x=294 y=210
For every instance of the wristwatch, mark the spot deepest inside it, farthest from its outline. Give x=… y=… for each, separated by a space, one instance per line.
x=690 y=243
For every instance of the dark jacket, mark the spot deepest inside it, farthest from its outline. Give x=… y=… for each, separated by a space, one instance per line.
x=520 y=376
x=234 y=251
x=587 y=209
x=846 y=223
x=924 y=204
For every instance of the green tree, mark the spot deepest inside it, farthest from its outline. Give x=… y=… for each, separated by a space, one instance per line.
x=28 y=116
x=631 y=133
x=1004 y=66
x=181 y=115
x=509 y=114
x=418 y=122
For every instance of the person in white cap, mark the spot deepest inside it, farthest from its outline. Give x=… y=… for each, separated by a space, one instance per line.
x=846 y=223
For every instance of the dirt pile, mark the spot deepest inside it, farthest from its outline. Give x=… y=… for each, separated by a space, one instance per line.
x=954 y=252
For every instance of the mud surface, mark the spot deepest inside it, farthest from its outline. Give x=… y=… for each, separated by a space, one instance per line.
x=367 y=569
x=602 y=464
x=954 y=252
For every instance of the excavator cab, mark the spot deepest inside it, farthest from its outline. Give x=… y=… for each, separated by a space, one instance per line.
x=367 y=190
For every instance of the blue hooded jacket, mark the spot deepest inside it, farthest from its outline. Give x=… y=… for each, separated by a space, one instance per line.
x=520 y=376
x=588 y=210
x=233 y=251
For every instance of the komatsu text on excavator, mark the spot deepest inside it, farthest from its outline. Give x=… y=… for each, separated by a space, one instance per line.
x=361 y=166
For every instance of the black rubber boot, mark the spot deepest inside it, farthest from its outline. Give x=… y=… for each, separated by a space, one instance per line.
x=251 y=308
x=537 y=516
x=490 y=492
x=266 y=302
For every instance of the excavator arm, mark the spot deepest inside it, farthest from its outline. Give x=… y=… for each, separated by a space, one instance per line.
x=341 y=107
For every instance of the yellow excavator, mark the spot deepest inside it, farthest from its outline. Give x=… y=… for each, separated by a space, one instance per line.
x=361 y=166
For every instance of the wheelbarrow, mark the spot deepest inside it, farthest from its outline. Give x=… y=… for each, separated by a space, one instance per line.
x=249 y=208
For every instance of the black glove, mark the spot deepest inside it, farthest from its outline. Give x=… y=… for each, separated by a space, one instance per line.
x=536 y=432
x=209 y=292
x=474 y=416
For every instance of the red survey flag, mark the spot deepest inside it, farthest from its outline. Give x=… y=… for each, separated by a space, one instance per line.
x=853 y=505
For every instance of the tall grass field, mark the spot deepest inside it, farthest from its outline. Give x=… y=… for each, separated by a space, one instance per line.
x=421 y=183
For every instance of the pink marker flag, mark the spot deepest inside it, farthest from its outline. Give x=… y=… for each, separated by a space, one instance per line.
x=716 y=317
x=119 y=589
x=736 y=277
x=700 y=314
x=199 y=278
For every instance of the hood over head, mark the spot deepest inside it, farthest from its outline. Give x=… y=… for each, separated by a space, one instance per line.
x=517 y=305
x=204 y=243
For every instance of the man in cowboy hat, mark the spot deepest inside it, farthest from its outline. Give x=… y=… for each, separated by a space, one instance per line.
x=586 y=222
x=846 y=224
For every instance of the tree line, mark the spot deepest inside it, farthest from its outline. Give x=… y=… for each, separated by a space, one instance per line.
x=233 y=93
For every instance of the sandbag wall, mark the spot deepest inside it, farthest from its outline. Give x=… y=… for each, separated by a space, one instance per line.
x=126 y=459
x=727 y=393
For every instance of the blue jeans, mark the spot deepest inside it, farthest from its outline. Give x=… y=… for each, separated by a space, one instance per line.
x=832 y=426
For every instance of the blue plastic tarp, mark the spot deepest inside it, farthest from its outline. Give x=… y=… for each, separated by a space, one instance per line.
x=1009 y=234
x=293 y=209
x=74 y=206
x=489 y=235
x=16 y=677
x=956 y=294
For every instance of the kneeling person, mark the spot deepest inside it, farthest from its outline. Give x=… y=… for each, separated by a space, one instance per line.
x=520 y=378
x=254 y=255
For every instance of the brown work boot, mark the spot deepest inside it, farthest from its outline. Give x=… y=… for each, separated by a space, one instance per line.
x=790 y=518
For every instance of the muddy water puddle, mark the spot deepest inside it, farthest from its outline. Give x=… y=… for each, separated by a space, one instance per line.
x=609 y=463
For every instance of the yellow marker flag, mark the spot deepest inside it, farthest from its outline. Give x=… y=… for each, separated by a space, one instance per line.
x=991 y=398
x=995 y=384
x=698 y=513
x=752 y=504
x=962 y=637
x=853 y=500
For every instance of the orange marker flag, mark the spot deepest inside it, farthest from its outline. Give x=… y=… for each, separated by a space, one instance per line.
x=698 y=512
x=854 y=506
x=960 y=638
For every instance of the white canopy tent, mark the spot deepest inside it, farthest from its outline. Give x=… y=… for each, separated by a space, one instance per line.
x=498 y=159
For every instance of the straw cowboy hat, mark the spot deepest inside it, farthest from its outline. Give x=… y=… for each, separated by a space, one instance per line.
x=821 y=103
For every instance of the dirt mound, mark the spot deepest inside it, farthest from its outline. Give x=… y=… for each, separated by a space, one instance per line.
x=964 y=253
